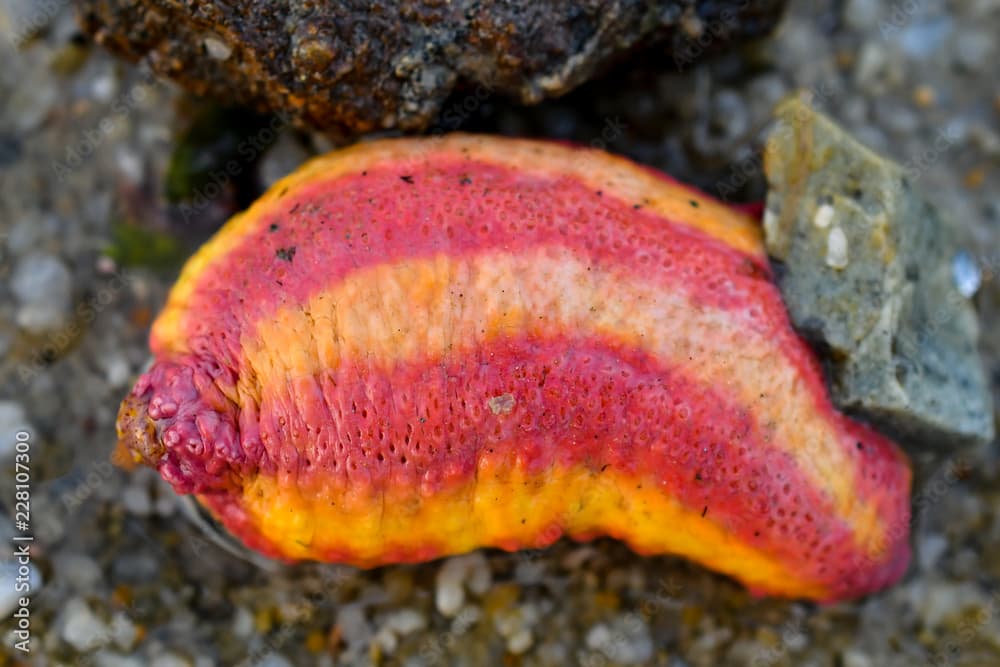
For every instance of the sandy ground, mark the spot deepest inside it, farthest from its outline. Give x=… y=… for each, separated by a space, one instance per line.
x=119 y=576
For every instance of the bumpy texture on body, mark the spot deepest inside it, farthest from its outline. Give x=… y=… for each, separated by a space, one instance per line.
x=352 y=66
x=414 y=348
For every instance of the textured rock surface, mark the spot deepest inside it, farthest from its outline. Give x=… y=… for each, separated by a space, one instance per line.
x=867 y=273
x=352 y=67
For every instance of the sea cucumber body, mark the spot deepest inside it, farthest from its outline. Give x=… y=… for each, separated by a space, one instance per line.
x=415 y=348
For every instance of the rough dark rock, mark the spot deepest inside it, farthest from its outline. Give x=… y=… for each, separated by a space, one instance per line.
x=353 y=67
x=866 y=269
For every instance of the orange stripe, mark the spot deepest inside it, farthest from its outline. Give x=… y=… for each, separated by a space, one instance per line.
x=578 y=501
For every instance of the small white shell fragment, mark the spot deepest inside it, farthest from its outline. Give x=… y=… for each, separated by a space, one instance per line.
x=824 y=216
x=217 y=48
x=836 y=248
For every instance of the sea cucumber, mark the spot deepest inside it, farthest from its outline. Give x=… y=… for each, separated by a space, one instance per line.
x=417 y=347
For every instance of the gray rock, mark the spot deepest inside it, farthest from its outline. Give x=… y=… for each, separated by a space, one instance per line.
x=81 y=628
x=865 y=267
x=43 y=286
x=13 y=420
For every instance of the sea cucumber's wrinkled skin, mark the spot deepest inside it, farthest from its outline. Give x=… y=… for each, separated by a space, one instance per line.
x=414 y=348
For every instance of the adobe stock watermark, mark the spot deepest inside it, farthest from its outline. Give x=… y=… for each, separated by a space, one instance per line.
x=22 y=540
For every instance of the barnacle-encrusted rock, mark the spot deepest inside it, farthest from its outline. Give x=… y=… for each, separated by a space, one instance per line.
x=414 y=348
x=867 y=274
x=353 y=67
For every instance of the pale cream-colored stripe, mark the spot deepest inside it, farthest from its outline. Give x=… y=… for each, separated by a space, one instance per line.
x=614 y=176
x=434 y=308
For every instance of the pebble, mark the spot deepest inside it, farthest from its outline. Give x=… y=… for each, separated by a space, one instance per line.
x=217 y=48
x=939 y=602
x=922 y=39
x=520 y=641
x=273 y=660
x=386 y=640
x=81 y=628
x=354 y=627
x=243 y=625
x=81 y=571
x=836 y=248
x=470 y=570
x=174 y=660
x=113 y=659
x=27 y=109
x=863 y=15
x=965 y=272
x=283 y=157
x=853 y=657
x=405 y=621
x=43 y=286
x=13 y=420
x=136 y=500
x=124 y=632
x=973 y=49
x=625 y=641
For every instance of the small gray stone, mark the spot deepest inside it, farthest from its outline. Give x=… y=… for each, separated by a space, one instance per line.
x=43 y=286
x=865 y=268
x=13 y=420
x=863 y=14
x=80 y=628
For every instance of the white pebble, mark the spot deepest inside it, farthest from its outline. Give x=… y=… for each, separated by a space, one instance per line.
x=116 y=370
x=770 y=222
x=520 y=641
x=449 y=597
x=836 y=249
x=598 y=636
x=824 y=216
x=465 y=619
x=353 y=625
x=104 y=87
x=242 y=623
x=472 y=570
x=43 y=287
x=123 y=631
x=12 y=420
x=385 y=638
x=216 y=48
x=406 y=621
x=853 y=657
x=136 y=500
x=626 y=642
x=81 y=628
